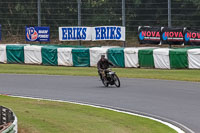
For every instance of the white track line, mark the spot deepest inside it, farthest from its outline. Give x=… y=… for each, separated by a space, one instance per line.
x=96 y=106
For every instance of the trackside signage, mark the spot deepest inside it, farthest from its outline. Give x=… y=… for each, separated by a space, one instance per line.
x=41 y=34
x=171 y=35
x=192 y=36
x=149 y=35
x=75 y=33
x=108 y=33
x=92 y=33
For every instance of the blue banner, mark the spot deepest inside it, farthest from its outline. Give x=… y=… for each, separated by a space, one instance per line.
x=41 y=34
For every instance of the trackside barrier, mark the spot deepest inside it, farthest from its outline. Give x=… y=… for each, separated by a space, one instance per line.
x=150 y=57
x=8 y=121
x=116 y=56
x=95 y=54
x=178 y=58
x=15 y=54
x=65 y=57
x=161 y=58
x=81 y=57
x=3 y=57
x=194 y=58
x=32 y=54
x=49 y=55
x=146 y=57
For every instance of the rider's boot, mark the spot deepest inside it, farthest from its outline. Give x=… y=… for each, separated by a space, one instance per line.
x=100 y=76
x=105 y=80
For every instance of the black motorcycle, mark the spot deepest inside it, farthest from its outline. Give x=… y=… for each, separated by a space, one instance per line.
x=110 y=79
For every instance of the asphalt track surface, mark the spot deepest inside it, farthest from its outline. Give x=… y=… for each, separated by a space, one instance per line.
x=174 y=101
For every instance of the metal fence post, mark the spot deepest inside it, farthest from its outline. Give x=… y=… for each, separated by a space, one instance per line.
x=169 y=17
x=169 y=13
x=79 y=15
x=123 y=18
x=39 y=12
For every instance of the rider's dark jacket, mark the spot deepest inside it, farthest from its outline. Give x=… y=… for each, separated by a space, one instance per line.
x=104 y=64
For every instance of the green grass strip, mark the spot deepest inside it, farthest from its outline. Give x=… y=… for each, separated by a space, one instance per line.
x=180 y=74
x=41 y=116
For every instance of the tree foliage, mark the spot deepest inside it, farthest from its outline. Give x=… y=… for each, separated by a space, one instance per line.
x=16 y=14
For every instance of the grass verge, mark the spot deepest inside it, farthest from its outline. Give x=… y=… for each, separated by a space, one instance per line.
x=41 y=116
x=182 y=74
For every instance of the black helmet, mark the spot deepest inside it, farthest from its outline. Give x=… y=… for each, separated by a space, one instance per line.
x=102 y=56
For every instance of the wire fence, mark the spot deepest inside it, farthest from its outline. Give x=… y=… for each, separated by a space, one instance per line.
x=16 y=14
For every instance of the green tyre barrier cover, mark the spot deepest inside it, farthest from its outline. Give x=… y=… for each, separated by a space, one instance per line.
x=81 y=57
x=178 y=58
x=49 y=55
x=146 y=58
x=116 y=56
x=15 y=54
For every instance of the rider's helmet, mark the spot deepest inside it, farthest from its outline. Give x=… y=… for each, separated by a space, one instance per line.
x=102 y=57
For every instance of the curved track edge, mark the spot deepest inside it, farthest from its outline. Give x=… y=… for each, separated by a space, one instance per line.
x=179 y=128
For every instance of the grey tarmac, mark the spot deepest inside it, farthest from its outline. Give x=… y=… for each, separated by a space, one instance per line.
x=174 y=101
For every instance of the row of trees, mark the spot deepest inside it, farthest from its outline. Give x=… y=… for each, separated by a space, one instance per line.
x=16 y=14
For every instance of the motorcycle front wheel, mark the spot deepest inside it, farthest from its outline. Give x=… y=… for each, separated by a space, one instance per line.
x=116 y=80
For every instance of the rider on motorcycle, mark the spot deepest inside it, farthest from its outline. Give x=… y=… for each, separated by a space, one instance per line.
x=102 y=66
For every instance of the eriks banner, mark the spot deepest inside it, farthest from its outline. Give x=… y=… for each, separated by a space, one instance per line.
x=108 y=33
x=92 y=33
x=75 y=33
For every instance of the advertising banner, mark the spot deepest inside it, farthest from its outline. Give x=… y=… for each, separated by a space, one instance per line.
x=172 y=35
x=149 y=35
x=108 y=33
x=191 y=36
x=41 y=34
x=75 y=33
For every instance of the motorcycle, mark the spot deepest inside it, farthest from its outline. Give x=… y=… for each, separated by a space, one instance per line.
x=110 y=78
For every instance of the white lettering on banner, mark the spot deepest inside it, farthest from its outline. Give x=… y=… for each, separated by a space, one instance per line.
x=43 y=36
x=43 y=31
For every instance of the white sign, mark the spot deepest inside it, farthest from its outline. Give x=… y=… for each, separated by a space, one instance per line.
x=75 y=33
x=108 y=33
x=92 y=33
